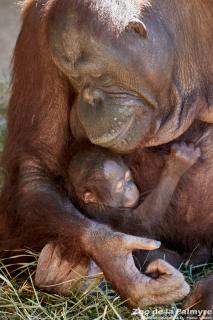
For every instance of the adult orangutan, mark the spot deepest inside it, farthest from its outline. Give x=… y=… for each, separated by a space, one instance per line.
x=94 y=70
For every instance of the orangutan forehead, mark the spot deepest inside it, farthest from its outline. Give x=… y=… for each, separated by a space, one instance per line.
x=117 y=14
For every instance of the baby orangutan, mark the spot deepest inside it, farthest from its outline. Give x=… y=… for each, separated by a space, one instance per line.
x=100 y=182
x=104 y=188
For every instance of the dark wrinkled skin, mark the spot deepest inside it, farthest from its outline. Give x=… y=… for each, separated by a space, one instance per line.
x=124 y=93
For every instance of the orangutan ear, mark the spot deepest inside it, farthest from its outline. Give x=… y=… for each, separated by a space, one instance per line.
x=138 y=26
x=88 y=197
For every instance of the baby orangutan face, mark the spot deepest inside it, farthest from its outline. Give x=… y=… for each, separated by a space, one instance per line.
x=123 y=193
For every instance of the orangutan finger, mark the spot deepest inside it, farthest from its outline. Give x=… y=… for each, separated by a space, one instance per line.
x=139 y=243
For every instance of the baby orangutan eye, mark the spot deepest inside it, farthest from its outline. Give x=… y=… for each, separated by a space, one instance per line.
x=119 y=186
x=128 y=176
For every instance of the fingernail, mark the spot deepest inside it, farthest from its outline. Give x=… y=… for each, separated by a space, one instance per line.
x=158 y=243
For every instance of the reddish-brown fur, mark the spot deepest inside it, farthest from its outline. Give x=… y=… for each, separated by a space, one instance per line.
x=37 y=152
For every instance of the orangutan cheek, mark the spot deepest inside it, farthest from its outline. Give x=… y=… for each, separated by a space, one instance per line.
x=131 y=195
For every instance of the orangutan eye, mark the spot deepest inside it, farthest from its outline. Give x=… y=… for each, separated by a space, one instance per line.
x=119 y=186
x=128 y=176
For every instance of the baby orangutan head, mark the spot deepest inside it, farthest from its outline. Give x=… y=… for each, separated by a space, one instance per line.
x=97 y=176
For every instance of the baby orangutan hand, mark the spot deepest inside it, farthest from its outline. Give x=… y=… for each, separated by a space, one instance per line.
x=182 y=157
